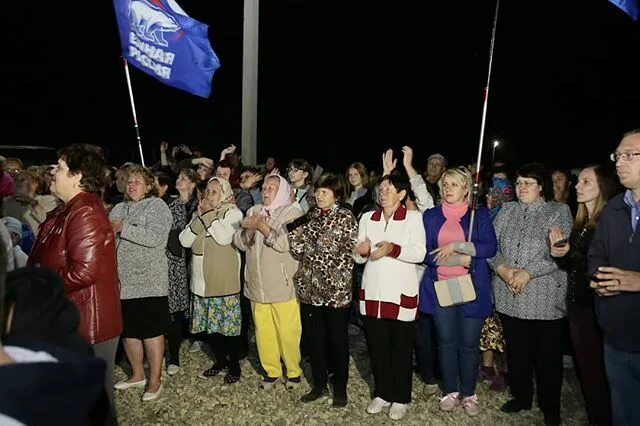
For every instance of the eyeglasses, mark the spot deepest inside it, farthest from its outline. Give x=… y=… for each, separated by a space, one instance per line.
x=292 y=169
x=626 y=156
x=525 y=184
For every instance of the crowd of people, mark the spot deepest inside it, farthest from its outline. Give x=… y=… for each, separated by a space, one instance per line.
x=456 y=281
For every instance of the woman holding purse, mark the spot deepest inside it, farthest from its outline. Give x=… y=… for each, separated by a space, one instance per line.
x=452 y=259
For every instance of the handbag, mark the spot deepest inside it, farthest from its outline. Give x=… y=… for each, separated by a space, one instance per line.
x=455 y=291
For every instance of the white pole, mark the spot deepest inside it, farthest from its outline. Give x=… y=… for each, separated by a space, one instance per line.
x=250 y=81
x=133 y=109
x=483 y=122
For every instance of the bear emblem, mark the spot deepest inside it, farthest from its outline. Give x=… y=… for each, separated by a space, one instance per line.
x=150 y=22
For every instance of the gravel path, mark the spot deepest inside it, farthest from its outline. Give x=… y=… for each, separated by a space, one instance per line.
x=189 y=400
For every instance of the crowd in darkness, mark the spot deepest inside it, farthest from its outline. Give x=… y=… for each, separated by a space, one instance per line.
x=455 y=274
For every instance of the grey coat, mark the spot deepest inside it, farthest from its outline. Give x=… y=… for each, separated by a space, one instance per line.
x=142 y=261
x=523 y=242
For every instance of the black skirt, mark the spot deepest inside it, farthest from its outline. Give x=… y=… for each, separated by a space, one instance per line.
x=145 y=318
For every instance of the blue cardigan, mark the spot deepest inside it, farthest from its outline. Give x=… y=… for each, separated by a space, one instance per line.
x=484 y=239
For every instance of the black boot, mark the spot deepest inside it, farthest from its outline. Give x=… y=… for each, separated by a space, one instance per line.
x=314 y=394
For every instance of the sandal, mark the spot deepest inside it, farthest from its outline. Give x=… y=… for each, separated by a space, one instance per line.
x=231 y=378
x=293 y=383
x=213 y=371
x=269 y=382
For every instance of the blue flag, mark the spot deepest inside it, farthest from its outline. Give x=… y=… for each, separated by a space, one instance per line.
x=159 y=38
x=630 y=7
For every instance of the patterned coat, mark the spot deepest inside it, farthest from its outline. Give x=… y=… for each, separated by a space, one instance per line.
x=523 y=242
x=179 y=294
x=324 y=246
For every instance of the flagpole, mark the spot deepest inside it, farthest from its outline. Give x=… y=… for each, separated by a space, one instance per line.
x=476 y=184
x=133 y=109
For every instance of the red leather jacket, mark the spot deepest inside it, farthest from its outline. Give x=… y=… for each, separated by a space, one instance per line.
x=76 y=241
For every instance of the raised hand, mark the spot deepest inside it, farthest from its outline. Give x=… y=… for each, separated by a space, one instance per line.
x=388 y=162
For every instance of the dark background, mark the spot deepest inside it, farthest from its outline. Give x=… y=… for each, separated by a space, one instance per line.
x=339 y=80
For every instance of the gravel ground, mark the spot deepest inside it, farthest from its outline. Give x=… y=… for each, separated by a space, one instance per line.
x=189 y=400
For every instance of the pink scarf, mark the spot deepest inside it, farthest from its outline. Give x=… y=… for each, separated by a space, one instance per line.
x=451 y=231
x=283 y=197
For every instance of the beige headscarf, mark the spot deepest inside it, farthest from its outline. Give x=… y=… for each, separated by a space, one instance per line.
x=227 y=191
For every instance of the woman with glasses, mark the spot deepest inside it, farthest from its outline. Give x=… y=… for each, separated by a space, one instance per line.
x=530 y=291
x=300 y=175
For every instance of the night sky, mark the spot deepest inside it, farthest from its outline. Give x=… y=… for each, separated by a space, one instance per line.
x=340 y=81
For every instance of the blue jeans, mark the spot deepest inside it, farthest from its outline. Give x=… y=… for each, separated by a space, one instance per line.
x=623 y=372
x=459 y=349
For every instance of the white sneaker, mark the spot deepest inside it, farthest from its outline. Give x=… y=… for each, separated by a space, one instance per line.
x=173 y=369
x=195 y=347
x=376 y=405
x=398 y=411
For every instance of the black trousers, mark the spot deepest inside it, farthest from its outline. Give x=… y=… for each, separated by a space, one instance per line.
x=535 y=343
x=391 y=351
x=589 y=350
x=226 y=349
x=327 y=345
x=175 y=334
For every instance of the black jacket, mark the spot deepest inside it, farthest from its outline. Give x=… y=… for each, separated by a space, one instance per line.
x=69 y=392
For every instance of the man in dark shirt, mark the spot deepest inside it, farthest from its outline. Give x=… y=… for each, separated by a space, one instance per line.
x=614 y=262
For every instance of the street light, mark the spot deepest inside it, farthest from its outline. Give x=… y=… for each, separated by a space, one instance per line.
x=493 y=154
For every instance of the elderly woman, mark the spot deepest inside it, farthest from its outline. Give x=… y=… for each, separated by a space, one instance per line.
x=215 y=277
x=142 y=224
x=182 y=209
x=392 y=244
x=76 y=241
x=530 y=291
x=324 y=246
x=269 y=281
x=450 y=256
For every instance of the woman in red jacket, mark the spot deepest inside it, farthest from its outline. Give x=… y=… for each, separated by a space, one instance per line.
x=76 y=242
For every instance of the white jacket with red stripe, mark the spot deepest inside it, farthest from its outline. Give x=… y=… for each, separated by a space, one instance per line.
x=390 y=284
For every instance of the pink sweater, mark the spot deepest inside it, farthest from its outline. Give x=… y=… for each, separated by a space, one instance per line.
x=450 y=232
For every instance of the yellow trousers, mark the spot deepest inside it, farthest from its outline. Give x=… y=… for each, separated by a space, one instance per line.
x=278 y=331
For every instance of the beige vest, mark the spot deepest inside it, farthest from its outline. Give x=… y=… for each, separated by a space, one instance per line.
x=220 y=264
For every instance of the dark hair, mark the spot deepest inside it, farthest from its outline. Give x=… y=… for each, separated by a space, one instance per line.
x=191 y=174
x=399 y=182
x=250 y=169
x=302 y=164
x=629 y=133
x=225 y=164
x=334 y=183
x=147 y=176
x=88 y=160
x=538 y=172
x=163 y=179
x=201 y=187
